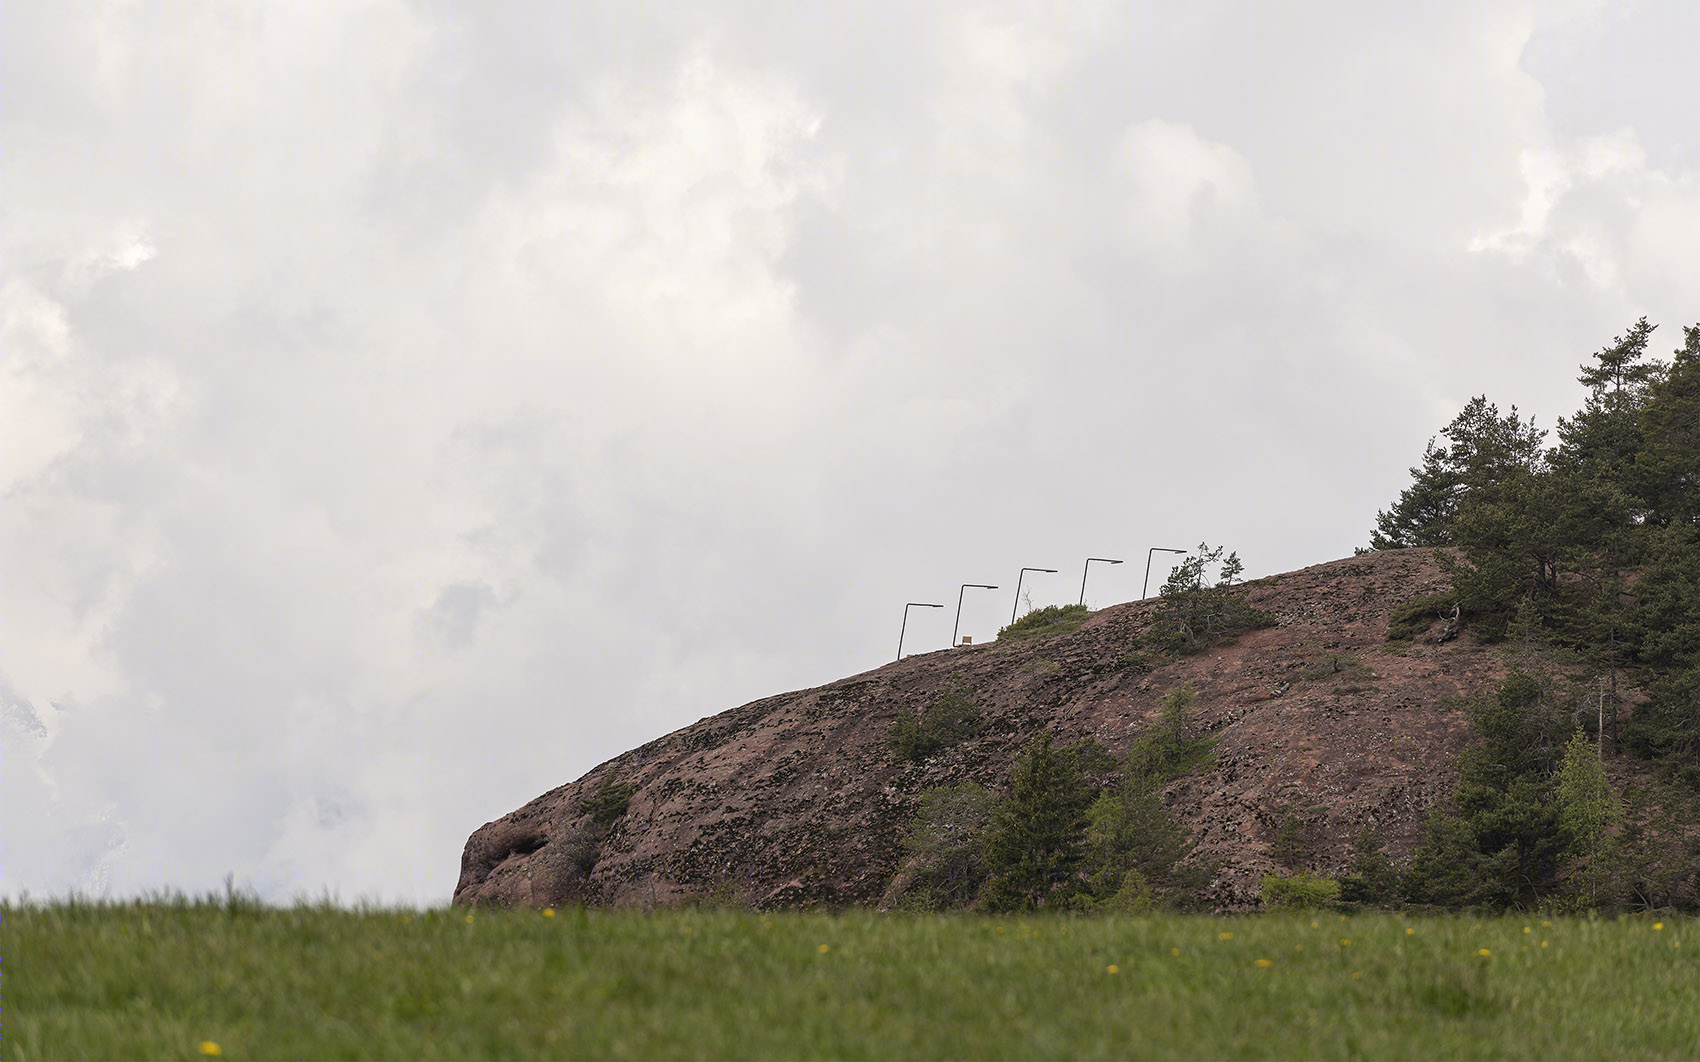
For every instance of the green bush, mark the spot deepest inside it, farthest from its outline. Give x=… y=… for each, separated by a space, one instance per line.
x=1499 y=841
x=1414 y=617
x=1138 y=855
x=1193 y=615
x=1171 y=749
x=1047 y=622
x=947 y=847
x=1302 y=891
x=1370 y=877
x=952 y=718
x=607 y=805
x=1293 y=845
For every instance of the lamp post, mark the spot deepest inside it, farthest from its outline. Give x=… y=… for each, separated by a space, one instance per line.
x=958 y=624
x=905 y=627
x=1154 y=549
x=1088 y=568
x=1018 y=579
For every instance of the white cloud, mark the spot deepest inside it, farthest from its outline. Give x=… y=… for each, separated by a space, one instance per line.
x=1180 y=186
x=1598 y=207
x=410 y=405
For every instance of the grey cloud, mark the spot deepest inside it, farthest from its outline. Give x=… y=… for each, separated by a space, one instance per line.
x=452 y=621
x=507 y=387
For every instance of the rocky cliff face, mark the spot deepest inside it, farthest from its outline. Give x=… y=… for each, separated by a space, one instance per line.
x=798 y=799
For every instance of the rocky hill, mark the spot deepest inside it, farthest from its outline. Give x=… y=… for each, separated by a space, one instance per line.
x=799 y=799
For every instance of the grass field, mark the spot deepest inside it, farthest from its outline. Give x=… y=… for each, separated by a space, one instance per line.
x=191 y=979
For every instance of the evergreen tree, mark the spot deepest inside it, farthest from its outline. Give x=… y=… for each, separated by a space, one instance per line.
x=1039 y=830
x=1192 y=614
x=1618 y=369
x=1498 y=843
x=1602 y=439
x=947 y=846
x=1136 y=851
x=1595 y=549
x=1587 y=809
x=1666 y=472
x=1532 y=539
x=1483 y=449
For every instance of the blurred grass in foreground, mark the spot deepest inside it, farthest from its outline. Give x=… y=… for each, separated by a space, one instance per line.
x=191 y=979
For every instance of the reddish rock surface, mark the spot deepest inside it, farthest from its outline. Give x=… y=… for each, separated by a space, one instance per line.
x=798 y=799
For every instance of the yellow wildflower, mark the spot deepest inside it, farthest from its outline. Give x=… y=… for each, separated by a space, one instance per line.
x=1224 y=936
x=1112 y=968
x=548 y=912
x=1484 y=952
x=1264 y=964
x=210 y=1048
x=824 y=949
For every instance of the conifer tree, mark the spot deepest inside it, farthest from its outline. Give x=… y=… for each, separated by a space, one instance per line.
x=1483 y=450
x=1039 y=830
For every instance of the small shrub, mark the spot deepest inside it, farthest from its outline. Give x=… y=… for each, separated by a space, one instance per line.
x=1411 y=619
x=1134 y=662
x=952 y=718
x=1171 y=749
x=1133 y=896
x=947 y=847
x=1300 y=891
x=1370 y=877
x=1337 y=665
x=1047 y=622
x=607 y=805
x=1292 y=847
x=604 y=807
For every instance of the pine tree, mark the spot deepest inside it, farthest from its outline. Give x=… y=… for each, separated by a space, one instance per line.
x=1601 y=441
x=1666 y=472
x=1484 y=449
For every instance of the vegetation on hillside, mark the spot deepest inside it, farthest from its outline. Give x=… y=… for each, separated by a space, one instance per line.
x=1582 y=558
x=1047 y=622
x=1587 y=550
x=1076 y=830
x=1194 y=614
x=952 y=718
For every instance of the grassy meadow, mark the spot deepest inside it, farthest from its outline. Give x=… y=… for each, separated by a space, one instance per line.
x=233 y=979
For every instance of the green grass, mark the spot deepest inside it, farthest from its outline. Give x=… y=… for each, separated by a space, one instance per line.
x=156 y=980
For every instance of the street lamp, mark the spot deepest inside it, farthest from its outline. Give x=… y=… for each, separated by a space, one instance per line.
x=1088 y=568
x=905 y=627
x=1018 y=579
x=955 y=627
x=1153 y=549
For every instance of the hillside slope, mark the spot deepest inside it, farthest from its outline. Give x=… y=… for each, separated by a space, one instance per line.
x=798 y=799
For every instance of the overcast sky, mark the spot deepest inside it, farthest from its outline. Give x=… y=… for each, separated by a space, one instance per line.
x=409 y=405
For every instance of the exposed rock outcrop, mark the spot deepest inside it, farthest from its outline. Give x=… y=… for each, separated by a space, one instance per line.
x=799 y=800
